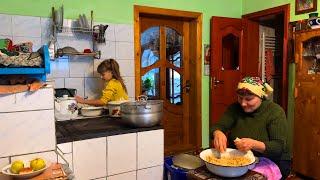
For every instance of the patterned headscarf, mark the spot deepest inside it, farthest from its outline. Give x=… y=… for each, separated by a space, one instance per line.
x=256 y=86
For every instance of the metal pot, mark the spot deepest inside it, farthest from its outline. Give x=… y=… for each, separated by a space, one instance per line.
x=145 y=113
x=228 y=171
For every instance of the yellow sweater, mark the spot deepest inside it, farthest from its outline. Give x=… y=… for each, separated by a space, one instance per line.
x=113 y=92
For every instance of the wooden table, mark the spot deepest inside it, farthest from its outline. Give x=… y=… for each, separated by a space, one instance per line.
x=202 y=173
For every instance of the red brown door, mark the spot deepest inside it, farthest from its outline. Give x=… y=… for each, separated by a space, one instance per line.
x=234 y=44
x=165 y=75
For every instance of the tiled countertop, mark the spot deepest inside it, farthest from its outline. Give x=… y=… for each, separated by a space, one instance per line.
x=81 y=129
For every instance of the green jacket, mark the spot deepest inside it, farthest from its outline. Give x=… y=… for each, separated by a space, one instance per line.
x=267 y=124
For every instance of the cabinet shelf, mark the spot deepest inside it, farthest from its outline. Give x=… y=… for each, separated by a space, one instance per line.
x=96 y=54
x=39 y=72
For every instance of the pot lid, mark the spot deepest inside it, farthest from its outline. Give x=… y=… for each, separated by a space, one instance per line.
x=187 y=161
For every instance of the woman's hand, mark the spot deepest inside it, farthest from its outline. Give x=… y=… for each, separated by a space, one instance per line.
x=220 y=141
x=246 y=144
x=80 y=99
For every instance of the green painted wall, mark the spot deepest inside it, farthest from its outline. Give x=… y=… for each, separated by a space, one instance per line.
x=121 y=11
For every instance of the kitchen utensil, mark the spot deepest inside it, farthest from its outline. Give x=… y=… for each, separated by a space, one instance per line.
x=92 y=111
x=6 y=171
x=59 y=92
x=142 y=113
x=98 y=33
x=228 y=171
x=65 y=108
x=187 y=161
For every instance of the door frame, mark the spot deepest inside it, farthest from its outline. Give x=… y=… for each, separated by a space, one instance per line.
x=195 y=19
x=285 y=10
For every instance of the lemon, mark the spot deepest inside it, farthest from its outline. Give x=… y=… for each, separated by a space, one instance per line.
x=16 y=166
x=37 y=164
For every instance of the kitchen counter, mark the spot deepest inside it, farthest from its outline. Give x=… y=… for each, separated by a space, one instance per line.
x=81 y=129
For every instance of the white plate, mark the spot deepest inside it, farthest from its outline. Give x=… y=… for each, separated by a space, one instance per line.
x=6 y=171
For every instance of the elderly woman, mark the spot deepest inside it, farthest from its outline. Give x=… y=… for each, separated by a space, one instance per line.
x=260 y=124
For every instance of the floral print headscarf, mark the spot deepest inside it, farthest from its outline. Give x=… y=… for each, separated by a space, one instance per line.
x=256 y=86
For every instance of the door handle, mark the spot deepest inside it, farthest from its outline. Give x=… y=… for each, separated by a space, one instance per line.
x=216 y=82
x=187 y=86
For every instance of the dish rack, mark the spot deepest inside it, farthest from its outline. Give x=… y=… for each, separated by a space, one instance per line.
x=37 y=72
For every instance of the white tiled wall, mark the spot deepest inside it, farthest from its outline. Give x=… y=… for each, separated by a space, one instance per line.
x=68 y=72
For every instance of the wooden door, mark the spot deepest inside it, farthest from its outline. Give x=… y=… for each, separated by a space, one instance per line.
x=165 y=75
x=226 y=63
x=306 y=136
x=235 y=53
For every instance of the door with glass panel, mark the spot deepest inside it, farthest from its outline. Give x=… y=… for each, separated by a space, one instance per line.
x=164 y=74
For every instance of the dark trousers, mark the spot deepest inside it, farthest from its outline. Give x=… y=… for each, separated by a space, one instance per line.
x=285 y=168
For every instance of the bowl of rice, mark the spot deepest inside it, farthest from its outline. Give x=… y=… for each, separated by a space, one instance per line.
x=233 y=163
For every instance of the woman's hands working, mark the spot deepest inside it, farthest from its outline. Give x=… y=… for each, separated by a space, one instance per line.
x=243 y=144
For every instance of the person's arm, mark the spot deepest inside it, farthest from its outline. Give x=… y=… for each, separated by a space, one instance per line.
x=278 y=130
x=93 y=102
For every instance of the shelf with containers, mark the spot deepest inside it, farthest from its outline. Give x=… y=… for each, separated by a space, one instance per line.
x=82 y=26
x=38 y=72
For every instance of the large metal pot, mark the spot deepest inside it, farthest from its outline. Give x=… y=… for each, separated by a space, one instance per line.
x=142 y=113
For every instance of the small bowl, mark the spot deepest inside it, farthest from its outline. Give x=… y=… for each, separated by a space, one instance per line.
x=91 y=111
x=114 y=108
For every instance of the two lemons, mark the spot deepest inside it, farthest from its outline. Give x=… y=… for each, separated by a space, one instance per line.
x=36 y=164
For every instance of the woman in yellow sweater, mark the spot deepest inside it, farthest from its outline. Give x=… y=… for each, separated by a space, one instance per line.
x=115 y=89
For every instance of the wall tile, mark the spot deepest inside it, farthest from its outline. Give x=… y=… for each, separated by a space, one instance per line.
x=4 y=162
x=81 y=66
x=121 y=155
x=59 y=83
x=89 y=157
x=125 y=176
x=26 y=26
x=129 y=81
x=154 y=173
x=108 y=49
x=5 y=36
x=93 y=87
x=6 y=25
x=59 y=68
x=36 y=41
x=76 y=83
x=40 y=138
x=150 y=148
x=49 y=156
x=124 y=32
x=110 y=33
x=46 y=30
x=126 y=67
x=124 y=50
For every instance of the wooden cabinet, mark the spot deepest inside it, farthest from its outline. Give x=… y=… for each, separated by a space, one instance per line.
x=306 y=146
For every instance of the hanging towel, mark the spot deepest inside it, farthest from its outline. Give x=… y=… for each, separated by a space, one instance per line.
x=269 y=65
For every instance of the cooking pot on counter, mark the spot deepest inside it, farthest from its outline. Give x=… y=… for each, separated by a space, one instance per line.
x=65 y=108
x=142 y=113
